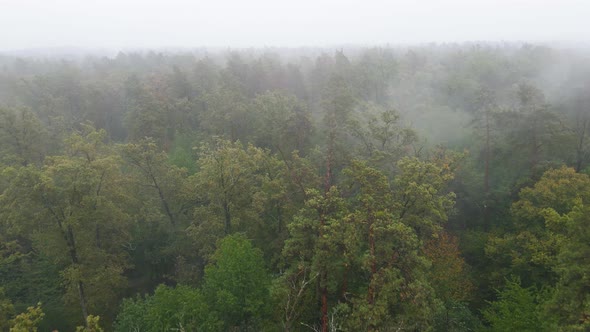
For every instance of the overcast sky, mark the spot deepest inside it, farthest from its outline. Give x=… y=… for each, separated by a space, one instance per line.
x=117 y=24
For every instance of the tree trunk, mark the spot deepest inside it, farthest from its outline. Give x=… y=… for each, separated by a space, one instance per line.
x=371 y=291
x=486 y=180
x=227 y=217
x=74 y=257
x=330 y=160
x=344 y=288
x=324 y=295
x=83 y=304
x=164 y=202
x=323 y=280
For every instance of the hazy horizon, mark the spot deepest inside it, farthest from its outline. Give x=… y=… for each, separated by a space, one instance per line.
x=119 y=25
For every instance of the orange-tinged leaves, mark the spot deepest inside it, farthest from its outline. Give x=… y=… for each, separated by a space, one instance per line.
x=448 y=273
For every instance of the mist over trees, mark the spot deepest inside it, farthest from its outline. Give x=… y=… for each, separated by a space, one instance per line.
x=426 y=188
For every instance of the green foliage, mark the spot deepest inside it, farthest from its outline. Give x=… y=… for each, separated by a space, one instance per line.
x=182 y=153
x=23 y=137
x=237 y=283
x=28 y=277
x=456 y=317
x=6 y=310
x=398 y=220
x=293 y=293
x=284 y=123
x=383 y=138
x=168 y=309
x=549 y=245
x=147 y=110
x=448 y=273
x=91 y=325
x=420 y=198
x=229 y=116
x=28 y=321
x=241 y=189
x=132 y=315
x=72 y=210
x=289 y=186
x=153 y=171
x=517 y=309
x=318 y=248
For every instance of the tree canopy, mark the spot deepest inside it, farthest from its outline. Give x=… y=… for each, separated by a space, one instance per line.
x=432 y=188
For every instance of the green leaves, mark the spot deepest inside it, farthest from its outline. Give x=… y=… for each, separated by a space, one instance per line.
x=235 y=294
x=551 y=239
x=239 y=189
x=92 y=325
x=22 y=137
x=6 y=310
x=237 y=283
x=73 y=211
x=169 y=308
x=28 y=321
x=391 y=223
x=420 y=198
x=156 y=179
x=517 y=309
x=284 y=123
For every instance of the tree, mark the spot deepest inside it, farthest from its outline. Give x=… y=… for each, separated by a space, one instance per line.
x=450 y=279
x=579 y=126
x=227 y=113
x=182 y=308
x=485 y=125
x=237 y=284
x=517 y=309
x=148 y=110
x=420 y=197
x=561 y=199
x=539 y=130
x=318 y=246
x=390 y=242
x=337 y=103
x=374 y=72
x=284 y=123
x=383 y=139
x=548 y=246
x=6 y=310
x=92 y=325
x=27 y=276
x=22 y=136
x=160 y=248
x=237 y=189
x=449 y=272
x=28 y=321
x=292 y=292
x=155 y=172
x=73 y=209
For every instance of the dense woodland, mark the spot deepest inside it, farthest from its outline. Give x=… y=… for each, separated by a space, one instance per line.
x=427 y=188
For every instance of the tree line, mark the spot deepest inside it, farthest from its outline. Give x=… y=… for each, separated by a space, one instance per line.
x=435 y=188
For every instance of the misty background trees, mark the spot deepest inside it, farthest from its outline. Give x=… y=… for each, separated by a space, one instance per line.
x=362 y=189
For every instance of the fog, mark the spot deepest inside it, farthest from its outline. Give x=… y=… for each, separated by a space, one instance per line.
x=311 y=165
x=115 y=24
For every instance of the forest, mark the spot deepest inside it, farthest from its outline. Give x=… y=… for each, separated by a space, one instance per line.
x=436 y=187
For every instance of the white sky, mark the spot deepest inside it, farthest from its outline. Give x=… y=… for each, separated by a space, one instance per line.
x=181 y=23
